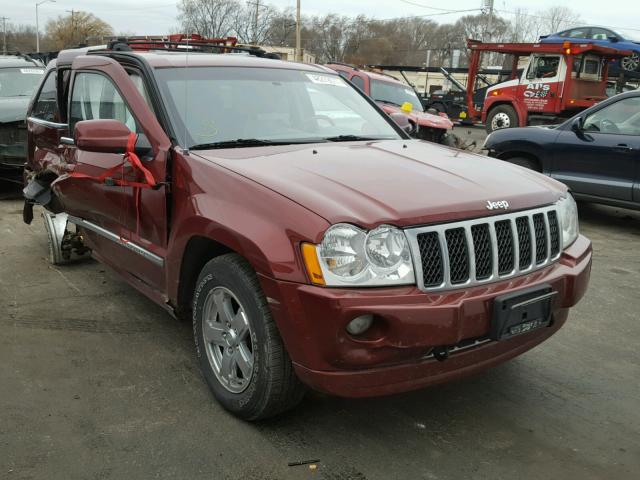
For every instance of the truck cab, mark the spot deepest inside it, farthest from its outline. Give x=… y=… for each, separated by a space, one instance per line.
x=556 y=82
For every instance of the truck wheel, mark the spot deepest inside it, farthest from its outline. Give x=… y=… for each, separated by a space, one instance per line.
x=241 y=354
x=502 y=116
x=525 y=162
x=631 y=63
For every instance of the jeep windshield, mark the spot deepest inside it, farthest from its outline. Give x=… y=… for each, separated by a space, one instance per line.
x=19 y=82
x=394 y=93
x=236 y=107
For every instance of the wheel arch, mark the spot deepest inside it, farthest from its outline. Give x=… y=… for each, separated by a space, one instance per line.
x=523 y=154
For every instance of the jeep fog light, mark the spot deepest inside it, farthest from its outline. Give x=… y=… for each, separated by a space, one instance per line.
x=360 y=324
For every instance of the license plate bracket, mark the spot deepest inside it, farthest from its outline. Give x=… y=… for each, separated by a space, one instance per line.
x=521 y=312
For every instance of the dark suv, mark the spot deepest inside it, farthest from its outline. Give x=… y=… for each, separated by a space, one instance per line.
x=306 y=236
x=19 y=77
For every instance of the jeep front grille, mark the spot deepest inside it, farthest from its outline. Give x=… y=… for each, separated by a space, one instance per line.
x=474 y=252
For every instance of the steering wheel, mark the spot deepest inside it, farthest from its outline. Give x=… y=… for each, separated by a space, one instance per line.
x=607 y=126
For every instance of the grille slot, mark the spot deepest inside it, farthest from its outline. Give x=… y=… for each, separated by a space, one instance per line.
x=478 y=251
x=524 y=241
x=504 y=238
x=541 y=237
x=482 y=250
x=554 y=232
x=431 y=259
x=458 y=255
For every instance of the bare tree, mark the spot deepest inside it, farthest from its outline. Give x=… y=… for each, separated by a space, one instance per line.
x=20 y=38
x=78 y=27
x=251 y=29
x=209 y=18
x=558 y=18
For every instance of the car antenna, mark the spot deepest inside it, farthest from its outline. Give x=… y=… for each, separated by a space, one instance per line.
x=185 y=150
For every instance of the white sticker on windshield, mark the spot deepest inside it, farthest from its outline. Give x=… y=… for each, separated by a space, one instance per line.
x=326 y=80
x=408 y=92
x=33 y=71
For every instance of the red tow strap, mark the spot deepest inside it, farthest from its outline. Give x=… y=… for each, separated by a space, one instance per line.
x=131 y=158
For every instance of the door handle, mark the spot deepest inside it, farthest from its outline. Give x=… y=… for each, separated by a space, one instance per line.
x=623 y=147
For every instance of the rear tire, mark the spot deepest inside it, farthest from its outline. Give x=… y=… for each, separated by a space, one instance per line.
x=631 y=63
x=241 y=354
x=525 y=163
x=502 y=116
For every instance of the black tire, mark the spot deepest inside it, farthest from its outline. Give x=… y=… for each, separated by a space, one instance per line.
x=502 y=116
x=273 y=386
x=525 y=162
x=439 y=107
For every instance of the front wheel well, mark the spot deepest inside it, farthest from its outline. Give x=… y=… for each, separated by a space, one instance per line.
x=198 y=251
x=524 y=155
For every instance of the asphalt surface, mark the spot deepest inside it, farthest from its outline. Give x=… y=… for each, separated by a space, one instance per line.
x=96 y=382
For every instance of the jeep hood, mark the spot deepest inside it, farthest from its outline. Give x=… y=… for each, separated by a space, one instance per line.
x=400 y=182
x=13 y=109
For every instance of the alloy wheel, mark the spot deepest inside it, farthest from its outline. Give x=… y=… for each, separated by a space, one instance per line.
x=228 y=339
x=631 y=63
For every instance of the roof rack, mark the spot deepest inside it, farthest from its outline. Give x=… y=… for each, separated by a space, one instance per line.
x=184 y=43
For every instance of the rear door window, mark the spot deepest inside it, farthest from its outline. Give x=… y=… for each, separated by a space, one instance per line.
x=358 y=82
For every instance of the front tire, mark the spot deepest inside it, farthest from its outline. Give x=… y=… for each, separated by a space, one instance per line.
x=240 y=351
x=502 y=116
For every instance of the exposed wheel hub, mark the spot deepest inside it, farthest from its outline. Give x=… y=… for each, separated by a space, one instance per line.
x=500 y=120
x=631 y=63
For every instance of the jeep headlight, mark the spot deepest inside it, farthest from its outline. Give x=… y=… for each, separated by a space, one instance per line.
x=350 y=256
x=568 y=213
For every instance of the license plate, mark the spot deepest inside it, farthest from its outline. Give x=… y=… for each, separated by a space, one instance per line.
x=521 y=312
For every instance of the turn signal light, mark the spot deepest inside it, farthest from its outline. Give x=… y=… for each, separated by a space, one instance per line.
x=310 y=256
x=495 y=93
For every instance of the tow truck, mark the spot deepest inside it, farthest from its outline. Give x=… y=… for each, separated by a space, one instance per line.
x=558 y=80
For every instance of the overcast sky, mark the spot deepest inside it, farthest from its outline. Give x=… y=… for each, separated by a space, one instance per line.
x=159 y=16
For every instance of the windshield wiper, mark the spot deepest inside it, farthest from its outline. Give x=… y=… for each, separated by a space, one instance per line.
x=243 y=142
x=387 y=101
x=350 y=138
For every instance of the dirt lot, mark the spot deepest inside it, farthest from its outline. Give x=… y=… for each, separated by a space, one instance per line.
x=96 y=382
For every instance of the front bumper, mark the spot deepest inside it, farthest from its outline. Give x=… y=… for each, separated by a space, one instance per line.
x=395 y=355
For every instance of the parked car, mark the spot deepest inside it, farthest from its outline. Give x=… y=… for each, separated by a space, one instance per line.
x=392 y=95
x=19 y=77
x=346 y=257
x=596 y=153
x=600 y=36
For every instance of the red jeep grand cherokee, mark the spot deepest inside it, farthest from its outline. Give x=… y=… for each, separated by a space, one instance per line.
x=311 y=241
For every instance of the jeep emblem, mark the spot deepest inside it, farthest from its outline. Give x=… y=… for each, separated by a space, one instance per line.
x=501 y=204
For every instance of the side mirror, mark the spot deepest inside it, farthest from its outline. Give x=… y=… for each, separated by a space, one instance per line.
x=402 y=121
x=103 y=136
x=613 y=39
x=577 y=124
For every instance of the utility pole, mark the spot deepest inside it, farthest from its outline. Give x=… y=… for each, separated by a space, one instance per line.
x=487 y=9
x=73 y=25
x=298 y=39
x=256 y=20
x=4 y=34
x=37 y=25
